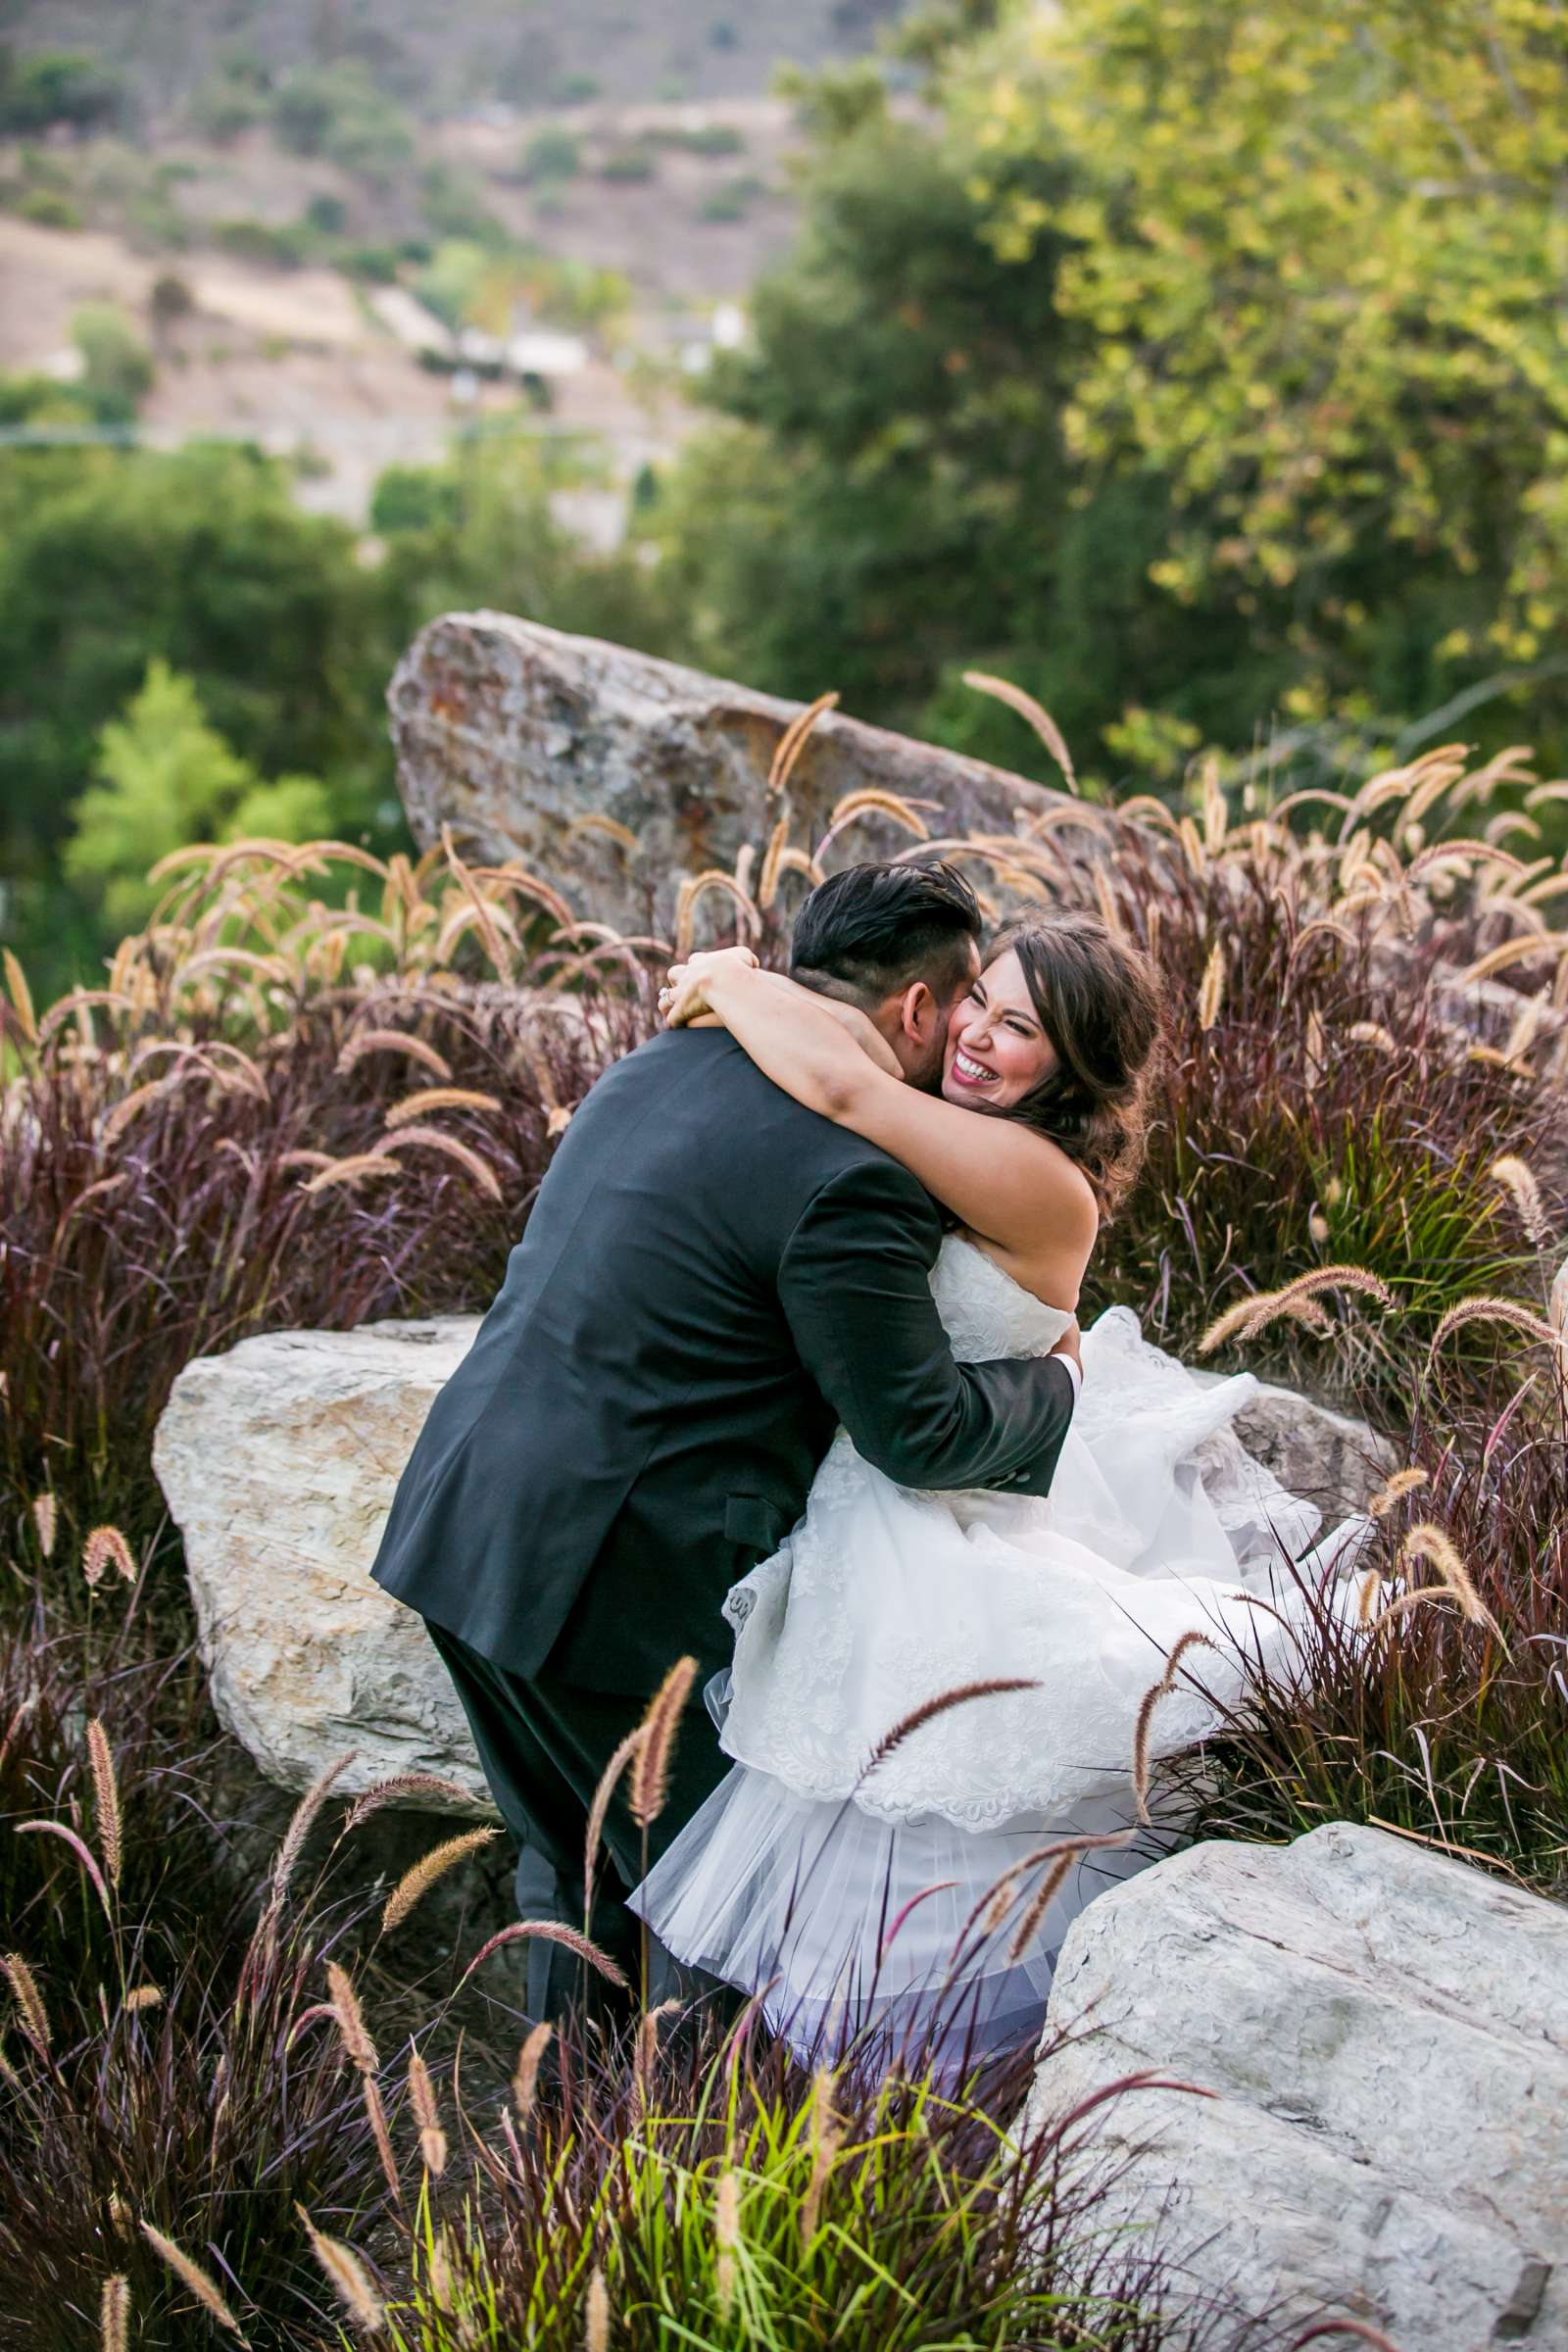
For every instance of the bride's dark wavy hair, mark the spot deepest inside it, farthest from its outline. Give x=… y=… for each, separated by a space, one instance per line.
x=1100 y=1004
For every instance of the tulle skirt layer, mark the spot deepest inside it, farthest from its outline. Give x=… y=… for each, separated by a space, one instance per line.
x=843 y=1877
x=850 y=1926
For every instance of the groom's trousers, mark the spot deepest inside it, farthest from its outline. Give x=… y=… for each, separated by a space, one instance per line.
x=544 y=1745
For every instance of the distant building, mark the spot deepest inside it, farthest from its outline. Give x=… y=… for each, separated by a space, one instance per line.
x=540 y=351
x=728 y=329
x=480 y=349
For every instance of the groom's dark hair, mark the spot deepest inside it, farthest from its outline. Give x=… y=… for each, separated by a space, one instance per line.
x=873 y=930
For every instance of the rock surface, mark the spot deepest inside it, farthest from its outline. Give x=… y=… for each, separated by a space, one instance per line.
x=513 y=734
x=1385 y=2033
x=1326 y=1457
x=279 y=1462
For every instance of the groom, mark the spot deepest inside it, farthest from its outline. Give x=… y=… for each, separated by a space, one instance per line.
x=710 y=1279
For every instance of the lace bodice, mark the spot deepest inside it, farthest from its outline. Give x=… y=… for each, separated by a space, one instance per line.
x=984 y=1312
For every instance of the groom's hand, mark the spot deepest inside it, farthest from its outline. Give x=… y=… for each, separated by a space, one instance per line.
x=1071 y=1345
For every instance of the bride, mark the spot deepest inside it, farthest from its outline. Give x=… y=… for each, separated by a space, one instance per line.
x=873 y=1859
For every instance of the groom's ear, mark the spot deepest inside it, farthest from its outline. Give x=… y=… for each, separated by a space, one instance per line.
x=919 y=1014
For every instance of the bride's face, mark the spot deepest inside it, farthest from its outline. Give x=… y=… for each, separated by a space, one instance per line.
x=996 y=1049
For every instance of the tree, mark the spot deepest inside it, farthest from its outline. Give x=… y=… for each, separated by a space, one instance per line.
x=1200 y=367
x=56 y=85
x=891 y=498
x=109 y=559
x=1316 y=258
x=165 y=777
x=116 y=365
x=337 y=111
x=480 y=528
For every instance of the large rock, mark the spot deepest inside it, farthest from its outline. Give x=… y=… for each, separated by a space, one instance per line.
x=513 y=734
x=1385 y=2033
x=1326 y=1457
x=279 y=1462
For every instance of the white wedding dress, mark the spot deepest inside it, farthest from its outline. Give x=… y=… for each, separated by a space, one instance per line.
x=850 y=1897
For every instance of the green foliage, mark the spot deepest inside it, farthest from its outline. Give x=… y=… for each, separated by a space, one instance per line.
x=733 y=198
x=225 y=106
x=552 y=155
x=707 y=139
x=56 y=85
x=117 y=366
x=164 y=778
x=745 y=2209
x=480 y=528
x=169 y=300
x=890 y=497
x=453 y=206
x=39 y=400
x=628 y=165
x=276 y=245
x=338 y=111
x=453 y=281
x=110 y=560
x=468 y=285
x=46 y=209
x=1064 y=378
x=1312 y=254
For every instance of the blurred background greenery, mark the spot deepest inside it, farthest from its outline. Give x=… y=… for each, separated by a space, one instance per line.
x=1200 y=365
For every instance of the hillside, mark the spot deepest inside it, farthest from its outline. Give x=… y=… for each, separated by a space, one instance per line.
x=284 y=200
x=474 y=53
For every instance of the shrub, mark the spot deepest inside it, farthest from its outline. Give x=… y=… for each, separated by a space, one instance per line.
x=276 y=245
x=117 y=366
x=169 y=300
x=238 y=2143
x=46 y=209
x=724 y=2197
x=225 y=106
x=712 y=139
x=326 y=215
x=551 y=156
x=629 y=165
x=1329 y=1107
x=734 y=199
x=1446 y=1724
x=202 y=1148
x=454 y=205
x=56 y=85
x=168 y=2125
x=337 y=111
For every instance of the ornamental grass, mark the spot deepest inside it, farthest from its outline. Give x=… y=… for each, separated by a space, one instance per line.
x=319 y=1089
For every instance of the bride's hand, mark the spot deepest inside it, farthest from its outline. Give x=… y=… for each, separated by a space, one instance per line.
x=684 y=998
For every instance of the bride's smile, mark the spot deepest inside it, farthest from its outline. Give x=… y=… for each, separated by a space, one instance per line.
x=996 y=1049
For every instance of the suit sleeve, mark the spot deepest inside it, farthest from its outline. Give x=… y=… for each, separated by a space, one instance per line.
x=854 y=1283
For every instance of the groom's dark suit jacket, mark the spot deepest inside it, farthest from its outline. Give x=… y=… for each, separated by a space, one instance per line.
x=712 y=1277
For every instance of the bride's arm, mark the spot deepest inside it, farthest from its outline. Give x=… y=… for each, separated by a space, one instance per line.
x=1009 y=1185
x=856 y=1025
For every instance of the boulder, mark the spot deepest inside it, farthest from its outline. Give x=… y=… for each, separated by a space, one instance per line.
x=514 y=734
x=1384 y=2036
x=1327 y=1457
x=279 y=1462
